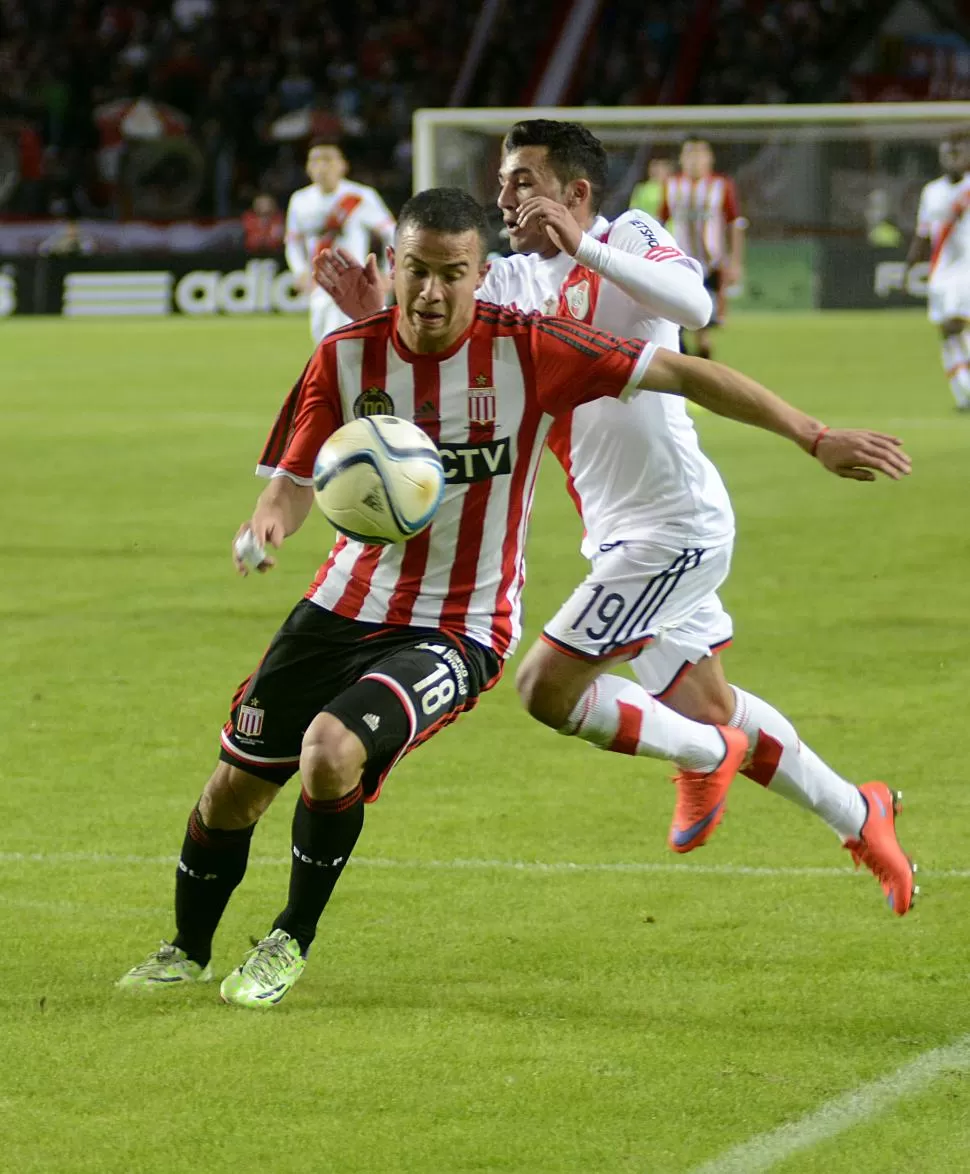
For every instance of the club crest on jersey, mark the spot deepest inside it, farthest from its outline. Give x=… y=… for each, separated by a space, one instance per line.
x=577 y=300
x=249 y=721
x=373 y=402
x=481 y=405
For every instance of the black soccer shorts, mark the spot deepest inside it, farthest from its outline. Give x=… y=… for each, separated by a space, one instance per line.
x=392 y=686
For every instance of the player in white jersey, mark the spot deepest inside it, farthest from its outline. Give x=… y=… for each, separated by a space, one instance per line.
x=943 y=238
x=659 y=525
x=392 y=643
x=331 y=210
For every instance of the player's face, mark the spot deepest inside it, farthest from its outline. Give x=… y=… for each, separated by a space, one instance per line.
x=435 y=278
x=953 y=157
x=696 y=160
x=526 y=173
x=326 y=166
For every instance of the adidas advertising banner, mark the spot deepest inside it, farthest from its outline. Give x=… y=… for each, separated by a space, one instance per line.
x=853 y=275
x=153 y=286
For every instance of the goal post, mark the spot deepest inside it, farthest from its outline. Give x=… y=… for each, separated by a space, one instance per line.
x=877 y=117
x=829 y=191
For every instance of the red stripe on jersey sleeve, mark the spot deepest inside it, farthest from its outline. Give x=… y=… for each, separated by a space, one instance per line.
x=276 y=442
x=427 y=404
x=471 y=528
x=574 y=363
x=318 y=413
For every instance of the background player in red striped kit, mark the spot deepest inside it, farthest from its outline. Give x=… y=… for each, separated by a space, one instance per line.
x=392 y=643
x=700 y=209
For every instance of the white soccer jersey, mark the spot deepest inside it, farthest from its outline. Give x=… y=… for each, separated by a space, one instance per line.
x=942 y=218
x=487 y=403
x=347 y=216
x=636 y=470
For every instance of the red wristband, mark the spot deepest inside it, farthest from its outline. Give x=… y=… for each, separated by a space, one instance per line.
x=815 y=443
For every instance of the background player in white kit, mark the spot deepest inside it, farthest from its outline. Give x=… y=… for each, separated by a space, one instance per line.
x=943 y=238
x=659 y=524
x=331 y=210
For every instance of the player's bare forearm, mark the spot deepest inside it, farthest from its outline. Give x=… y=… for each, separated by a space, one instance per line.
x=730 y=393
x=848 y=452
x=281 y=510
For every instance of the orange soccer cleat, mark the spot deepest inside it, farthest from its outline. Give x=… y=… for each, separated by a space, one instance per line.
x=879 y=850
x=700 y=797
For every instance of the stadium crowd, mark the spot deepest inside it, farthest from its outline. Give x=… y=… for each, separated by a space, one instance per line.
x=236 y=87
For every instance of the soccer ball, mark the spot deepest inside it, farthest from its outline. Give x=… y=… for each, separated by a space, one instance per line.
x=379 y=480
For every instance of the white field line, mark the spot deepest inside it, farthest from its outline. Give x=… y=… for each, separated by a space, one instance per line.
x=842 y=1113
x=471 y=865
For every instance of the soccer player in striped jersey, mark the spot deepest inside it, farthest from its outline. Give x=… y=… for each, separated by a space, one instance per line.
x=390 y=644
x=659 y=529
x=331 y=210
x=943 y=238
x=700 y=207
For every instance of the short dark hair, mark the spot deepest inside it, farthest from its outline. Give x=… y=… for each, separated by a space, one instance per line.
x=322 y=141
x=445 y=210
x=574 y=152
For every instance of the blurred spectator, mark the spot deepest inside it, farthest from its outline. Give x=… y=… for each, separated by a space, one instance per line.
x=648 y=195
x=253 y=80
x=263 y=225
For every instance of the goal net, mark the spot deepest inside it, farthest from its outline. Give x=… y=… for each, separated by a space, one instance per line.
x=829 y=192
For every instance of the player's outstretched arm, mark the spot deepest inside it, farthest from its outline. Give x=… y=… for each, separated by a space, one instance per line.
x=281 y=509
x=848 y=452
x=357 y=289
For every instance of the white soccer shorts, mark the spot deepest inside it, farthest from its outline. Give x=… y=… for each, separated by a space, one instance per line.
x=325 y=314
x=948 y=297
x=655 y=603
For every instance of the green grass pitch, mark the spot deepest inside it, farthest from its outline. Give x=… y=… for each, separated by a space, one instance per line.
x=515 y=975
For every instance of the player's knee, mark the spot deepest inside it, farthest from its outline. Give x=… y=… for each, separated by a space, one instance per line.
x=952 y=327
x=331 y=759
x=542 y=696
x=233 y=799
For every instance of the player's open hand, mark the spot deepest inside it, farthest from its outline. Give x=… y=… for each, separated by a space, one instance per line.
x=555 y=219
x=357 y=289
x=859 y=454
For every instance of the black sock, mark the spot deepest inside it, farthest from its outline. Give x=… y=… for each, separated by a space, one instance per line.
x=212 y=864
x=324 y=834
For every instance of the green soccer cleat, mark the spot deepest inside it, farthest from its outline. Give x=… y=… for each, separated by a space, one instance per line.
x=168 y=966
x=271 y=967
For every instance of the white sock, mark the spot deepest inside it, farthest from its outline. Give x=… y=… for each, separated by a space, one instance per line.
x=785 y=765
x=956 y=364
x=620 y=715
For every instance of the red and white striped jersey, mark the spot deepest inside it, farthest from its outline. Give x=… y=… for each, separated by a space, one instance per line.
x=487 y=402
x=697 y=212
x=942 y=218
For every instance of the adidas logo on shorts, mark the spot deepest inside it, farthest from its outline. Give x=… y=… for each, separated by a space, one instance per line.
x=371 y=721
